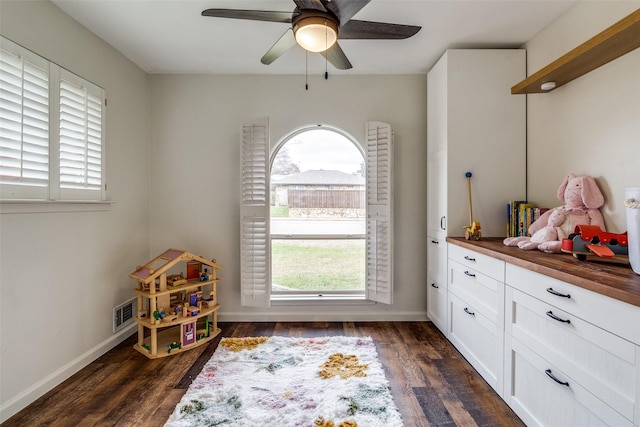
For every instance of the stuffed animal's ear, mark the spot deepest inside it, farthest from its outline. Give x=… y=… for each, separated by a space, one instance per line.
x=563 y=186
x=591 y=195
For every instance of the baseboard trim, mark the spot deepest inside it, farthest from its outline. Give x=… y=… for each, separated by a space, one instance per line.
x=418 y=316
x=31 y=394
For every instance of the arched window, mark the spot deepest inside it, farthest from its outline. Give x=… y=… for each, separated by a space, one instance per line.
x=317 y=215
x=313 y=224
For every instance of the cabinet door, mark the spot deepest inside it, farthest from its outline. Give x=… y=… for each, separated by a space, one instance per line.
x=437 y=194
x=478 y=339
x=543 y=395
x=600 y=361
x=437 y=259
x=437 y=305
x=485 y=293
x=437 y=106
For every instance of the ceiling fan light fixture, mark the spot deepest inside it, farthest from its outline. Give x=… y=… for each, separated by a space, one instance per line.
x=315 y=34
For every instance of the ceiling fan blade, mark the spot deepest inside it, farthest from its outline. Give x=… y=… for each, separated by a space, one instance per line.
x=253 y=15
x=310 y=4
x=346 y=9
x=338 y=59
x=355 y=29
x=284 y=43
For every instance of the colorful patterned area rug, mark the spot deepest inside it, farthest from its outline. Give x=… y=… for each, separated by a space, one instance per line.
x=283 y=381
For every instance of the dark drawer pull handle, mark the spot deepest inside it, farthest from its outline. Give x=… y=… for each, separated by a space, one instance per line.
x=435 y=242
x=553 y=377
x=466 y=310
x=469 y=274
x=468 y=258
x=556 y=293
x=433 y=285
x=554 y=317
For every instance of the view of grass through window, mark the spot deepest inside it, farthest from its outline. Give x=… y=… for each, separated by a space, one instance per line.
x=318 y=214
x=316 y=265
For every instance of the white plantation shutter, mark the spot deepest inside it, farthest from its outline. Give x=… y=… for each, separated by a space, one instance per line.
x=51 y=130
x=81 y=136
x=255 y=257
x=379 y=212
x=24 y=123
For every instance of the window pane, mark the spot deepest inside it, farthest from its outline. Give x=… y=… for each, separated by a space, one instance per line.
x=318 y=265
x=318 y=208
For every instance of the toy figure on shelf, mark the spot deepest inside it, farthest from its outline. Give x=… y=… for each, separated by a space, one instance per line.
x=582 y=199
x=473 y=229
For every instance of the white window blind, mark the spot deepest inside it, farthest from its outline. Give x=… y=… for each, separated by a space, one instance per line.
x=255 y=257
x=24 y=123
x=379 y=212
x=81 y=149
x=51 y=130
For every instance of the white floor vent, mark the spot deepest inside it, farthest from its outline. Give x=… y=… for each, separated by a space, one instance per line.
x=124 y=314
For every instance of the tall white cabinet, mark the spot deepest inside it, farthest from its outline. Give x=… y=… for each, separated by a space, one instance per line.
x=474 y=125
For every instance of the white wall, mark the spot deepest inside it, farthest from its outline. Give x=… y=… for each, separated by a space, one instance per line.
x=61 y=273
x=195 y=171
x=590 y=126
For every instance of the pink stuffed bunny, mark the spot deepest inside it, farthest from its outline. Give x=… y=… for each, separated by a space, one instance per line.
x=582 y=199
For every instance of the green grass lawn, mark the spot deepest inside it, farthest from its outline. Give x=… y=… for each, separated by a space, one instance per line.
x=318 y=265
x=279 y=211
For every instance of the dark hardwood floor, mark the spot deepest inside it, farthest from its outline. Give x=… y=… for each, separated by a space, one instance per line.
x=430 y=381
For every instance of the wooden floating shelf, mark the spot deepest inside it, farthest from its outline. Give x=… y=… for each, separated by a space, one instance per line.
x=617 y=40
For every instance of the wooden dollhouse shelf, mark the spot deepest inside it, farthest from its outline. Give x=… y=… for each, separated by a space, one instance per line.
x=146 y=322
x=191 y=284
x=166 y=338
x=617 y=40
x=176 y=312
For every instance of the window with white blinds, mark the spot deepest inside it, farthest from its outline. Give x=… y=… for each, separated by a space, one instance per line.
x=51 y=130
x=255 y=257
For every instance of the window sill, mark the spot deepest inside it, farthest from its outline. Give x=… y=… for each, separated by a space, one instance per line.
x=319 y=299
x=52 y=206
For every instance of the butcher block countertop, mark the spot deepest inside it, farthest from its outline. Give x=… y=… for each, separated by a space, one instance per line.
x=613 y=278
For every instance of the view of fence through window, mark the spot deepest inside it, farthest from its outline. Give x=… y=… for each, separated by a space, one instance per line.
x=318 y=213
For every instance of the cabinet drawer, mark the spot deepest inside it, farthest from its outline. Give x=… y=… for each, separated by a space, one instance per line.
x=437 y=305
x=484 y=292
x=437 y=259
x=478 y=339
x=619 y=318
x=541 y=401
x=487 y=265
x=596 y=359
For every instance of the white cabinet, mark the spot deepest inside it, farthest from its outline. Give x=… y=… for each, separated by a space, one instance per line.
x=476 y=311
x=437 y=282
x=572 y=355
x=474 y=124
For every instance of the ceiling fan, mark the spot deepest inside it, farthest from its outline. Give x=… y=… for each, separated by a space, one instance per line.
x=316 y=25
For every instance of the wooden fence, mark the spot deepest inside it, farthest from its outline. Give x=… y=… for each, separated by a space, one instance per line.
x=332 y=199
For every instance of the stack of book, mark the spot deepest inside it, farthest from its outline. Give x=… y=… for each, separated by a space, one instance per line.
x=520 y=215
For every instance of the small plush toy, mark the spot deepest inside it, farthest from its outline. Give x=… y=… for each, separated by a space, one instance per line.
x=582 y=199
x=552 y=232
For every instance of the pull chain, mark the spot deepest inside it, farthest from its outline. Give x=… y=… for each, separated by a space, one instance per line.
x=306 y=70
x=326 y=42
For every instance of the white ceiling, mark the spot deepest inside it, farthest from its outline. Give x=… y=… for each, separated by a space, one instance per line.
x=170 y=36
